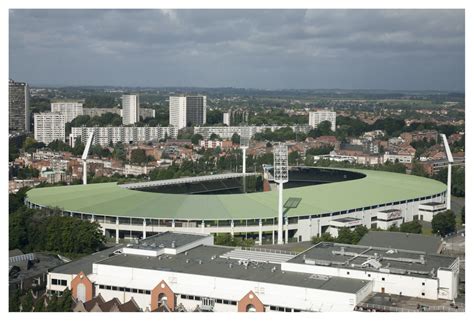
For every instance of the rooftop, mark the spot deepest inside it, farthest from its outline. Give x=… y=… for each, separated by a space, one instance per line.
x=84 y=264
x=167 y=240
x=360 y=257
x=206 y=260
x=403 y=241
x=377 y=187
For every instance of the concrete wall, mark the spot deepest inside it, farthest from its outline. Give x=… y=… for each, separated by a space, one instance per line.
x=382 y=282
x=232 y=289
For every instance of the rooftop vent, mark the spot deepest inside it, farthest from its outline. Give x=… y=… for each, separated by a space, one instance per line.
x=186 y=253
x=173 y=244
x=159 y=258
x=199 y=261
x=153 y=244
x=274 y=269
x=162 y=246
x=145 y=244
x=230 y=265
x=213 y=257
x=187 y=260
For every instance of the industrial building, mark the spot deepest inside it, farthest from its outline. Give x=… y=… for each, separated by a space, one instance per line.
x=316 y=200
x=187 y=272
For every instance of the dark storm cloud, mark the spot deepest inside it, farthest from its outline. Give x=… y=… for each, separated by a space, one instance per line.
x=393 y=49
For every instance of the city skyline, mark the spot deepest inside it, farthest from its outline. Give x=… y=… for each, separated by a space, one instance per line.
x=266 y=49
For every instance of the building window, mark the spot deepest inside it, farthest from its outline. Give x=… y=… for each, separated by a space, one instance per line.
x=348 y=272
x=422 y=283
x=368 y=275
x=54 y=281
x=219 y=301
x=147 y=292
x=383 y=279
x=101 y=286
x=423 y=293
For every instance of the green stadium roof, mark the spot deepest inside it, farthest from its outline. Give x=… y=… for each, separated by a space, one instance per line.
x=377 y=187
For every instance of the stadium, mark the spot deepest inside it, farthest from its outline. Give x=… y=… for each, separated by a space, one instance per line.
x=316 y=200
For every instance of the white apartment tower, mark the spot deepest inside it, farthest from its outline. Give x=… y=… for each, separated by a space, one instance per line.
x=186 y=110
x=226 y=119
x=50 y=127
x=70 y=109
x=130 y=109
x=317 y=117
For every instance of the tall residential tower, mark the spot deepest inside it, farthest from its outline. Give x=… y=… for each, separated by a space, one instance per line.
x=19 y=107
x=130 y=109
x=187 y=111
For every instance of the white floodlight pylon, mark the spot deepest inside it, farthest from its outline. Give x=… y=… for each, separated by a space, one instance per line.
x=280 y=174
x=450 y=163
x=84 y=158
x=244 y=144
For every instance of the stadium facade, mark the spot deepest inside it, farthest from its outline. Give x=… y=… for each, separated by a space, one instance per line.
x=329 y=200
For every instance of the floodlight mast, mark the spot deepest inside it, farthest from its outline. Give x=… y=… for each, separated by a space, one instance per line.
x=84 y=158
x=450 y=163
x=280 y=174
x=244 y=144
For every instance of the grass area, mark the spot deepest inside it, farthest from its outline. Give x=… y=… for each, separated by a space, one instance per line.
x=425 y=230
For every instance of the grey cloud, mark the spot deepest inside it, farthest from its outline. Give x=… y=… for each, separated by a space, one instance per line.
x=248 y=48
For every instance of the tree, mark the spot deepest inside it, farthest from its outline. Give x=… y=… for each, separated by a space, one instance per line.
x=119 y=152
x=53 y=304
x=414 y=227
x=214 y=136
x=39 y=305
x=196 y=138
x=138 y=156
x=444 y=223
x=358 y=233
x=65 y=304
x=325 y=128
x=345 y=235
x=14 y=301
x=30 y=145
x=235 y=139
x=325 y=237
x=293 y=158
x=17 y=232
x=27 y=302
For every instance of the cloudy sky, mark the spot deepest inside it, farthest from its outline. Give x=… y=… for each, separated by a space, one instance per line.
x=274 y=49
